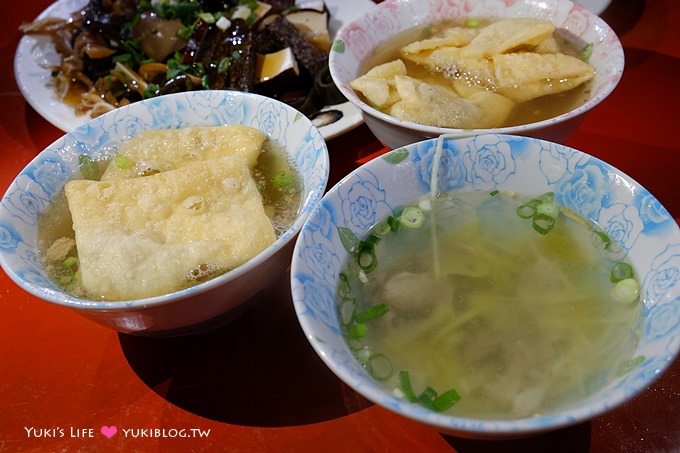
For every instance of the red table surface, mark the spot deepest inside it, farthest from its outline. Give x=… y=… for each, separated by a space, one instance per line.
x=256 y=384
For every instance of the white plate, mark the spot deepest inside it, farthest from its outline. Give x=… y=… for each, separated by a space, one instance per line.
x=595 y=6
x=34 y=81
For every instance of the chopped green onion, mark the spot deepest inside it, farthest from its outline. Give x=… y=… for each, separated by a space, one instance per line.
x=473 y=23
x=88 y=167
x=366 y=257
x=122 y=162
x=286 y=181
x=626 y=291
x=587 y=51
x=543 y=223
x=427 y=397
x=381 y=229
x=621 y=271
x=412 y=217
x=71 y=261
x=223 y=65
x=446 y=400
x=493 y=193
x=526 y=211
x=393 y=222
x=604 y=237
x=372 y=313
x=356 y=331
x=549 y=209
x=379 y=366
x=207 y=17
x=406 y=388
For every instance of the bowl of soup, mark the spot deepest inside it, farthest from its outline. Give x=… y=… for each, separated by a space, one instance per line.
x=168 y=215
x=493 y=286
x=417 y=70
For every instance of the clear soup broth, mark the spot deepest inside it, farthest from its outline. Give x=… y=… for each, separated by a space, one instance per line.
x=475 y=301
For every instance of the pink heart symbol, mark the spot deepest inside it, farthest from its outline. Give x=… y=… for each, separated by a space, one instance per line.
x=109 y=431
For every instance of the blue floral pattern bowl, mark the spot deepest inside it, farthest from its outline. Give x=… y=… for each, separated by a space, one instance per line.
x=45 y=176
x=625 y=210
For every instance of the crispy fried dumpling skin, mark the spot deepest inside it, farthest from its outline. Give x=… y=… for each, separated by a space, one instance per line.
x=148 y=236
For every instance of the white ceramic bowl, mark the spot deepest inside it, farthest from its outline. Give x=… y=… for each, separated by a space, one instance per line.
x=357 y=40
x=191 y=308
x=592 y=188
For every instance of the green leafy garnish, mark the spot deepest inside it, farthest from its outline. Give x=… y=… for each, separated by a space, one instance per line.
x=89 y=168
x=621 y=271
x=429 y=397
x=286 y=181
x=122 y=162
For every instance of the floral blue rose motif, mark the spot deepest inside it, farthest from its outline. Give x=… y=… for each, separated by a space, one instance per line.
x=489 y=161
x=50 y=174
x=652 y=213
x=127 y=126
x=322 y=220
x=451 y=173
x=164 y=116
x=622 y=223
x=363 y=202
x=664 y=321
x=272 y=119
x=319 y=303
x=585 y=190
x=9 y=238
x=663 y=275
x=555 y=161
x=318 y=253
x=26 y=204
x=305 y=156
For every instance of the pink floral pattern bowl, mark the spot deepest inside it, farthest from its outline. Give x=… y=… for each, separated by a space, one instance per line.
x=356 y=41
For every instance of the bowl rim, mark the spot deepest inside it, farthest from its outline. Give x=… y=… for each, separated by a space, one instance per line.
x=582 y=410
x=367 y=109
x=306 y=206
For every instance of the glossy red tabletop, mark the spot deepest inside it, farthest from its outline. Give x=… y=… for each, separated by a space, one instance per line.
x=255 y=385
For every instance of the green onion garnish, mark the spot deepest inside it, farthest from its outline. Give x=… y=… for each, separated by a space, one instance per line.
x=543 y=223
x=626 y=291
x=379 y=366
x=412 y=217
x=446 y=400
x=122 y=162
x=405 y=386
x=621 y=271
x=493 y=193
x=366 y=257
x=88 y=167
x=372 y=313
x=356 y=331
x=428 y=398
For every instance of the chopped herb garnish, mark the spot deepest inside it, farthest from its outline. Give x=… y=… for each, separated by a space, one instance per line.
x=621 y=271
x=493 y=193
x=122 y=162
x=89 y=168
x=223 y=65
x=371 y=313
x=429 y=397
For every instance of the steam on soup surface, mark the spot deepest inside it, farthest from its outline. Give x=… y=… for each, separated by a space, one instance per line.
x=490 y=306
x=167 y=210
x=477 y=74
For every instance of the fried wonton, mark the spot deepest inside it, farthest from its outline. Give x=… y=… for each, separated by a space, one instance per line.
x=147 y=236
x=526 y=75
x=377 y=85
x=155 y=151
x=439 y=106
